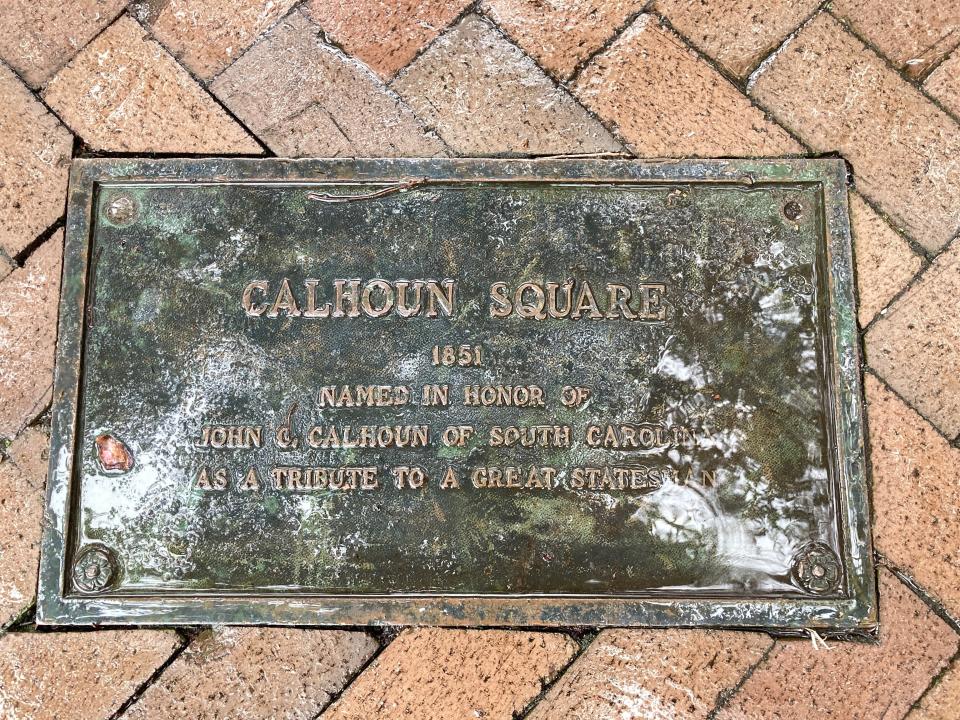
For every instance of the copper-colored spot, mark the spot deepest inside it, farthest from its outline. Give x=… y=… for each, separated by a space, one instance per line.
x=113 y=454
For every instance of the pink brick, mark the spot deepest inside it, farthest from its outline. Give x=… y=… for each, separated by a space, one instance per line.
x=676 y=674
x=837 y=94
x=28 y=333
x=885 y=262
x=22 y=476
x=125 y=92
x=914 y=34
x=208 y=35
x=562 y=33
x=385 y=34
x=851 y=680
x=434 y=674
x=35 y=150
x=254 y=673
x=77 y=675
x=916 y=497
x=738 y=34
x=484 y=96
x=944 y=83
x=38 y=37
x=916 y=345
x=304 y=97
x=942 y=701
x=667 y=102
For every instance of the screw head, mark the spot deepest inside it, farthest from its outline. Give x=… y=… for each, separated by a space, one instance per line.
x=792 y=210
x=816 y=569
x=120 y=209
x=94 y=570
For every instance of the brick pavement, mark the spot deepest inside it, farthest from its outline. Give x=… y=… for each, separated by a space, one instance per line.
x=875 y=81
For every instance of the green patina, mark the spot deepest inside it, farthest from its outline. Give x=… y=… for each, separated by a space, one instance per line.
x=744 y=359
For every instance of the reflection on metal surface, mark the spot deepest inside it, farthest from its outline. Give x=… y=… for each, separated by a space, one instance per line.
x=472 y=392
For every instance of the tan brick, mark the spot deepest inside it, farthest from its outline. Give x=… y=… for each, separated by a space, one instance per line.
x=666 y=101
x=255 y=673
x=7 y=265
x=738 y=34
x=837 y=94
x=852 y=681
x=304 y=97
x=914 y=34
x=385 y=34
x=560 y=34
x=77 y=675
x=942 y=701
x=29 y=453
x=208 y=35
x=916 y=346
x=434 y=674
x=944 y=83
x=125 y=92
x=485 y=96
x=916 y=497
x=677 y=674
x=885 y=262
x=38 y=37
x=35 y=151
x=28 y=333
x=22 y=476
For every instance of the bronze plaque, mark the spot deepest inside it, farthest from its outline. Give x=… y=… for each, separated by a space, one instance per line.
x=458 y=392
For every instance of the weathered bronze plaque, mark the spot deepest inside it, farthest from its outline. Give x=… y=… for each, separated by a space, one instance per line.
x=458 y=392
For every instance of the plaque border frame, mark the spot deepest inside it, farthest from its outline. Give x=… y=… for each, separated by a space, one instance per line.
x=851 y=613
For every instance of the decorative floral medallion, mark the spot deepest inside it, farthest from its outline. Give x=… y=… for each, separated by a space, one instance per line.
x=816 y=569
x=94 y=570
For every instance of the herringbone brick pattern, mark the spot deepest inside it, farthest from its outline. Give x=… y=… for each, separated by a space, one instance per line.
x=875 y=81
